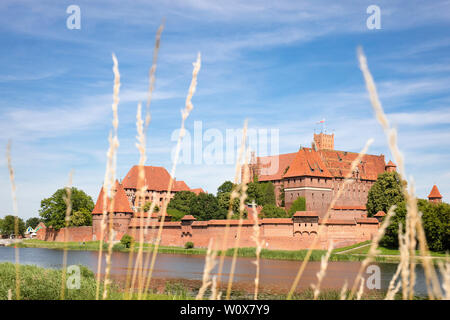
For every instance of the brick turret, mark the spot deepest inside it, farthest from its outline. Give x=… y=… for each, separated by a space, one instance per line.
x=435 y=196
x=391 y=167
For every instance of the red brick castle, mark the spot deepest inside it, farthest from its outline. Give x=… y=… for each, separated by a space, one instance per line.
x=317 y=173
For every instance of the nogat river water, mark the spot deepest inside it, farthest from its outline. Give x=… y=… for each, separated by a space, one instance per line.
x=276 y=275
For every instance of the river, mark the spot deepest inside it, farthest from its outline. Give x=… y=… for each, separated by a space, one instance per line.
x=276 y=275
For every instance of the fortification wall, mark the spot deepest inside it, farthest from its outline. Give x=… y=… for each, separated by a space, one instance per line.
x=281 y=234
x=76 y=234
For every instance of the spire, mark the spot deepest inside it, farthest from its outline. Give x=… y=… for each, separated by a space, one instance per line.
x=121 y=203
x=435 y=195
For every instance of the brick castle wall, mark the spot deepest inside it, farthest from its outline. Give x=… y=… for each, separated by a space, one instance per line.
x=281 y=234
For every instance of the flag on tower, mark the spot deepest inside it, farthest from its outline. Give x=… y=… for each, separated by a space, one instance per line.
x=321 y=121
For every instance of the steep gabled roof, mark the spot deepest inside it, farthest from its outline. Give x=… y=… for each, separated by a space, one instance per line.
x=155 y=178
x=307 y=162
x=121 y=203
x=339 y=164
x=435 y=193
x=274 y=167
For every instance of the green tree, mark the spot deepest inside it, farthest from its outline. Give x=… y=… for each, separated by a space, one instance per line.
x=435 y=220
x=206 y=207
x=224 y=202
x=268 y=193
x=7 y=227
x=385 y=192
x=181 y=201
x=227 y=186
x=298 y=205
x=53 y=209
x=272 y=211
x=127 y=240
x=32 y=222
x=147 y=206
x=82 y=217
x=255 y=193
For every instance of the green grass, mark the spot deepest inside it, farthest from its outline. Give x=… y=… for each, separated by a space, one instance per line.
x=356 y=245
x=38 y=283
x=394 y=252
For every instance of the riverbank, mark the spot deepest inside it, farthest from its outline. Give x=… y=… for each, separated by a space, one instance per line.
x=296 y=255
x=355 y=252
x=38 y=283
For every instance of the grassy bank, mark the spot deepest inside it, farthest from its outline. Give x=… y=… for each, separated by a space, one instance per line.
x=38 y=283
x=297 y=255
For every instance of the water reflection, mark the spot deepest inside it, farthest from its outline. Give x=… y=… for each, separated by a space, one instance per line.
x=275 y=274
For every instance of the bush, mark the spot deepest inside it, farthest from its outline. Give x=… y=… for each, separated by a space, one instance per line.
x=272 y=211
x=127 y=240
x=119 y=247
x=189 y=245
x=298 y=205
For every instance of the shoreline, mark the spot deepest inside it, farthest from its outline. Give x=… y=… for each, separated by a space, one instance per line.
x=342 y=254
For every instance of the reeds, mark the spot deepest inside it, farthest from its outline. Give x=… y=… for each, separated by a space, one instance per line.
x=373 y=248
x=68 y=202
x=16 y=215
x=414 y=226
x=184 y=114
x=259 y=245
x=108 y=185
x=210 y=263
x=322 y=271
x=243 y=195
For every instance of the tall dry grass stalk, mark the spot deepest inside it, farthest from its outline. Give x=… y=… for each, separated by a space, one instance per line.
x=215 y=294
x=210 y=263
x=348 y=179
x=234 y=195
x=184 y=114
x=373 y=248
x=323 y=270
x=361 y=289
x=141 y=146
x=343 y=295
x=243 y=195
x=259 y=245
x=16 y=215
x=401 y=267
x=108 y=184
x=414 y=227
x=68 y=202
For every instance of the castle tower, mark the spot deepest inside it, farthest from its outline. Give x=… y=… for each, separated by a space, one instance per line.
x=121 y=214
x=324 y=141
x=391 y=167
x=435 y=196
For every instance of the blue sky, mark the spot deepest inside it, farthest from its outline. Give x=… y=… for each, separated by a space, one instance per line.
x=281 y=64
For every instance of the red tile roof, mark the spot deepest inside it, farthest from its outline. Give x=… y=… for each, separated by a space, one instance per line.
x=121 y=203
x=435 y=193
x=269 y=163
x=156 y=179
x=390 y=164
x=276 y=221
x=357 y=207
x=197 y=191
x=339 y=164
x=306 y=214
x=366 y=220
x=380 y=214
x=338 y=221
x=188 y=217
x=308 y=162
